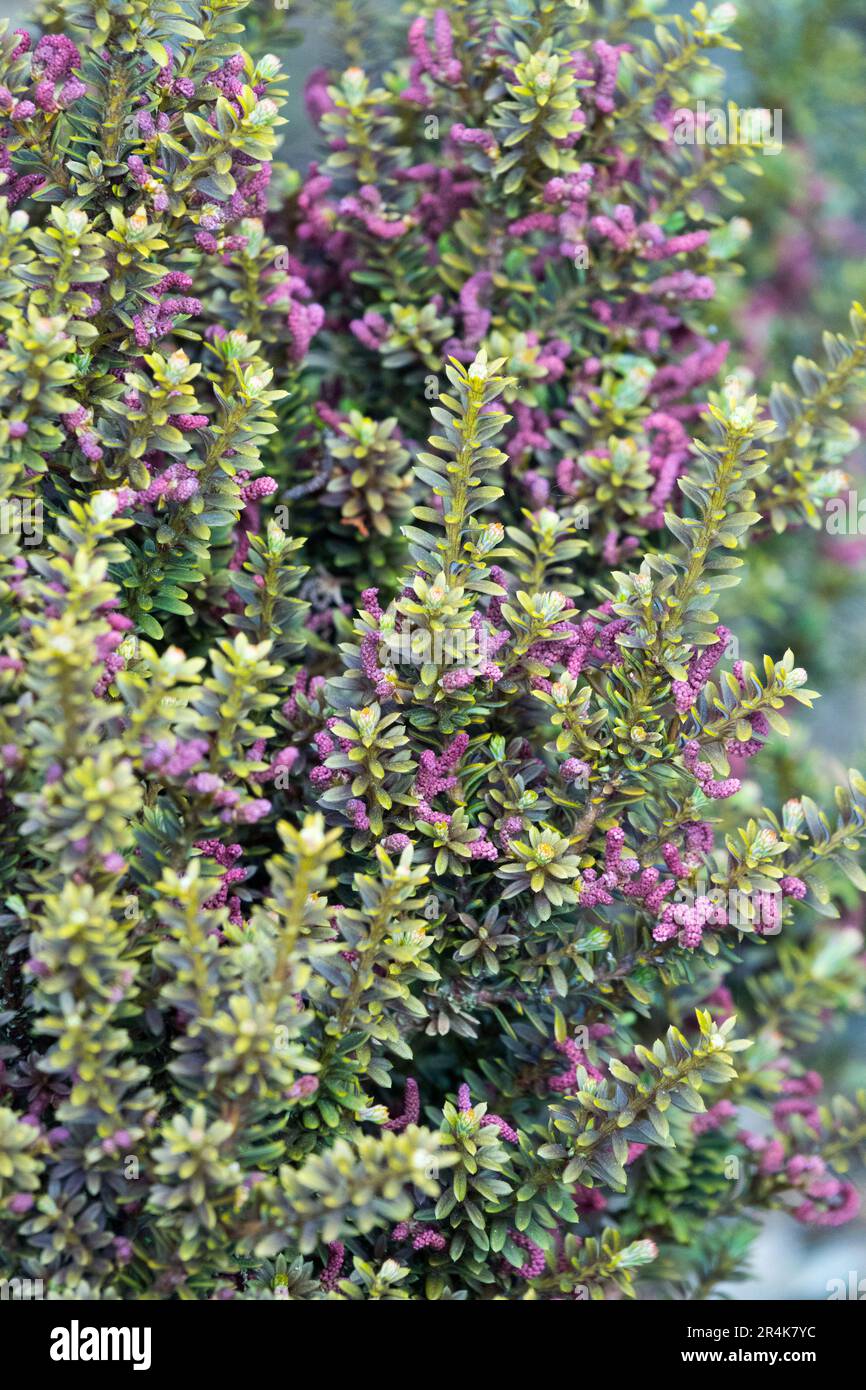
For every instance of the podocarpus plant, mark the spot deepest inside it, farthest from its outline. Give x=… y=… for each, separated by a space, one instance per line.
x=457 y=824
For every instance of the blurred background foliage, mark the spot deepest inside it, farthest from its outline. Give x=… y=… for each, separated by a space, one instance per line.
x=805 y=261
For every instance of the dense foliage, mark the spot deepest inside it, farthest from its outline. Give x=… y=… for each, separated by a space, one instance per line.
x=379 y=918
